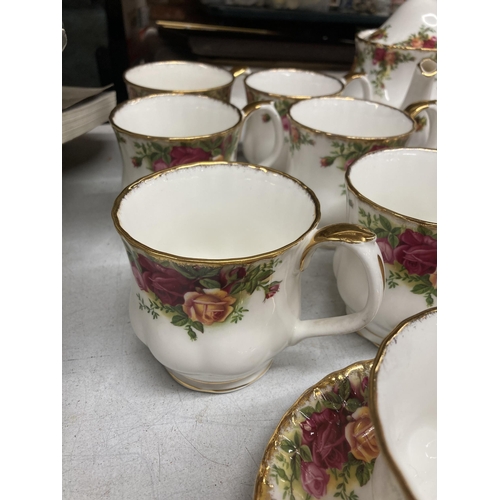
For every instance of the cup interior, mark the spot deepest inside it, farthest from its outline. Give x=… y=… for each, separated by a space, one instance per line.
x=294 y=83
x=217 y=211
x=405 y=390
x=178 y=76
x=348 y=117
x=400 y=180
x=175 y=116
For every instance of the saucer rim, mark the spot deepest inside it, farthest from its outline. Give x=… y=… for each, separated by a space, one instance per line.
x=262 y=489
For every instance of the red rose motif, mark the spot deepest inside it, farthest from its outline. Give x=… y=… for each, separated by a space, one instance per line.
x=377 y=147
x=168 y=284
x=386 y=250
x=417 y=253
x=138 y=277
x=358 y=390
x=136 y=161
x=324 y=433
x=326 y=161
x=181 y=155
x=273 y=289
x=314 y=480
x=228 y=279
x=159 y=165
x=378 y=55
x=430 y=43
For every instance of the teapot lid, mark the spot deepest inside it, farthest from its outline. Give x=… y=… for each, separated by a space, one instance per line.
x=412 y=26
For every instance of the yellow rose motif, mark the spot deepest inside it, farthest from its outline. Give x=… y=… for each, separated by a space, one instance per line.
x=211 y=306
x=360 y=435
x=433 y=278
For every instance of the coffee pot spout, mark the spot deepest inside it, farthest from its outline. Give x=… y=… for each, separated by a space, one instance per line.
x=423 y=82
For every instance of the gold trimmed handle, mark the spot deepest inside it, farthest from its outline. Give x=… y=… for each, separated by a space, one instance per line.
x=417 y=107
x=345 y=233
x=365 y=84
x=363 y=242
x=428 y=139
x=254 y=106
x=238 y=70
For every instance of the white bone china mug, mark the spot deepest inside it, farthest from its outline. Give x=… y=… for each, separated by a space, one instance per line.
x=328 y=133
x=394 y=194
x=162 y=131
x=185 y=77
x=217 y=269
x=284 y=87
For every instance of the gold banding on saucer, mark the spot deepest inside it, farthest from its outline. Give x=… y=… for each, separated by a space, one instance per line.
x=291 y=420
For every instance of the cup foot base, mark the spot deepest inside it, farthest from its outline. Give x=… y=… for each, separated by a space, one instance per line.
x=218 y=387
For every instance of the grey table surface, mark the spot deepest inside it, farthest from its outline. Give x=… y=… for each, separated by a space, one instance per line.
x=129 y=430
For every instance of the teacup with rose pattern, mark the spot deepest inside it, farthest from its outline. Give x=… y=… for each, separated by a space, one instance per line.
x=162 y=131
x=394 y=194
x=216 y=252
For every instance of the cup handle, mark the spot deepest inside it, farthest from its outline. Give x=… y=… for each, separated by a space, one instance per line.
x=431 y=108
x=251 y=108
x=363 y=243
x=366 y=88
x=236 y=71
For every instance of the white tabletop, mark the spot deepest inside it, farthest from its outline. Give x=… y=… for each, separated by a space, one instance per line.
x=129 y=430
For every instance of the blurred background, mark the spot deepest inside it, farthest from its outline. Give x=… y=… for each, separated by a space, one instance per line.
x=315 y=34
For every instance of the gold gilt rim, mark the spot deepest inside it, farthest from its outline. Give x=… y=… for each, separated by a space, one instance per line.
x=295 y=97
x=363 y=198
x=131 y=102
x=211 y=262
x=349 y=137
x=165 y=63
x=392 y=46
x=262 y=489
x=377 y=363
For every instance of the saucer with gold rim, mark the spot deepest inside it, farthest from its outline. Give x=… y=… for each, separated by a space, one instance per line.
x=324 y=447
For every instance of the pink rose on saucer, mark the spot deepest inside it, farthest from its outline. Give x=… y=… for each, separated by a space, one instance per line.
x=182 y=154
x=314 y=480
